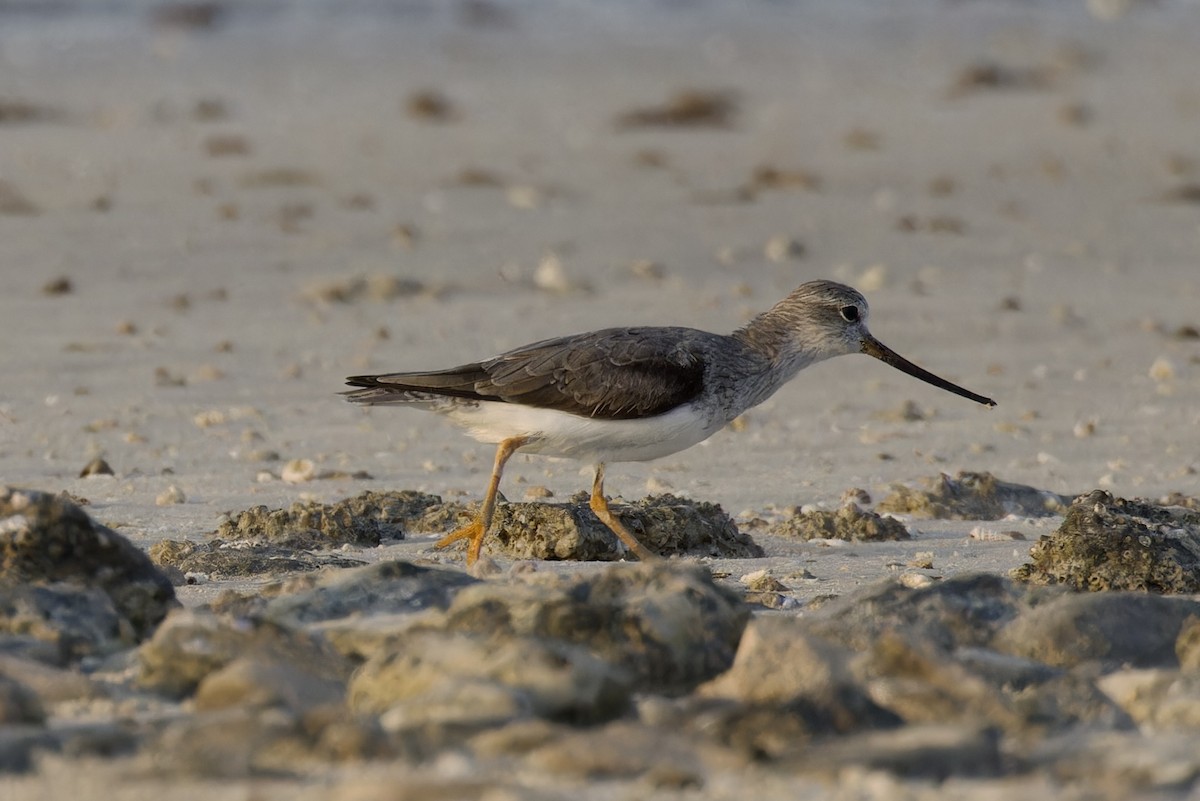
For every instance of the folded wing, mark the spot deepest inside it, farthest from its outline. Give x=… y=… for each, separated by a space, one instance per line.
x=618 y=373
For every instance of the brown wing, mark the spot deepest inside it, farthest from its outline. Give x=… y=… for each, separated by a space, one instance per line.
x=618 y=373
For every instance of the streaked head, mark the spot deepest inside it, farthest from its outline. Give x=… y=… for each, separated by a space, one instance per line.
x=823 y=319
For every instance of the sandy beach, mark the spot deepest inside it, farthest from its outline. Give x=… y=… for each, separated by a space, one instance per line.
x=209 y=219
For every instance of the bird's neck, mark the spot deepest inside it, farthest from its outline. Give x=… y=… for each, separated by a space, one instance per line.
x=775 y=356
x=774 y=337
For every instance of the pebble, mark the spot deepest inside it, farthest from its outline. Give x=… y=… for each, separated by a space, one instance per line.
x=915 y=581
x=58 y=286
x=874 y=278
x=430 y=105
x=298 y=471
x=96 y=467
x=170 y=496
x=922 y=560
x=209 y=418
x=1162 y=370
x=783 y=248
x=523 y=196
x=551 y=275
x=648 y=270
x=856 y=495
x=207 y=372
x=990 y=535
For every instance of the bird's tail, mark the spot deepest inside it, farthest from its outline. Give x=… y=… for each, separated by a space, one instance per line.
x=379 y=396
x=415 y=388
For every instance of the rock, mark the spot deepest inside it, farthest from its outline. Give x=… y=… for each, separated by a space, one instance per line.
x=963 y=610
x=380 y=286
x=188 y=646
x=783 y=248
x=191 y=644
x=777 y=660
x=1187 y=646
x=261 y=681
x=1108 y=543
x=758 y=730
x=925 y=685
x=442 y=517
x=68 y=622
x=621 y=750
x=366 y=519
x=297 y=471
x=18 y=704
x=407 y=784
x=366 y=611
x=230 y=743
x=699 y=108
x=667 y=623
x=1059 y=703
x=361 y=639
x=20 y=744
x=381 y=588
x=469 y=680
x=96 y=467
x=1109 y=628
x=46 y=539
x=764 y=589
x=1005 y=670
x=27 y=646
x=338 y=735
x=170 y=496
x=906 y=412
x=51 y=685
x=847 y=523
x=186 y=561
x=1156 y=698
x=929 y=656
x=429 y=104
x=663 y=523
x=933 y=751
x=517 y=738
x=972 y=496
x=921 y=684
x=1120 y=764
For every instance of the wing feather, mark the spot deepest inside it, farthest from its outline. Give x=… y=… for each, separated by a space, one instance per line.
x=617 y=373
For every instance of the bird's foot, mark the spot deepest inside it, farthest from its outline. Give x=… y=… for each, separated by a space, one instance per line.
x=473 y=531
x=643 y=553
x=601 y=510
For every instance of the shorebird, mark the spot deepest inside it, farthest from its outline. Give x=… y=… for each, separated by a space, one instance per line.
x=634 y=394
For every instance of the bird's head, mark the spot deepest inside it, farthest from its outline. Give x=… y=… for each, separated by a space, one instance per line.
x=823 y=319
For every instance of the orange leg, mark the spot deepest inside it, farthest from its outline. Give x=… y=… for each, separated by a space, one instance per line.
x=477 y=529
x=600 y=507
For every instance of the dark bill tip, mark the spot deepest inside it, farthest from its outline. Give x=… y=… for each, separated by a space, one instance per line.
x=873 y=347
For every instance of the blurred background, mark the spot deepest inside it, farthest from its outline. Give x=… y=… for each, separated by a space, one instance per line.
x=212 y=212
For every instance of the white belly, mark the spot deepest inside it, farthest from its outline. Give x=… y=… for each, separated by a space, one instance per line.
x=556 y=433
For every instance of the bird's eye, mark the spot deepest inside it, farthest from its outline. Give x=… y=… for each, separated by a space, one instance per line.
x=849 y=313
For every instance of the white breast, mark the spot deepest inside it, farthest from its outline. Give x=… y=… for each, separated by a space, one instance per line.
x=556 y=433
